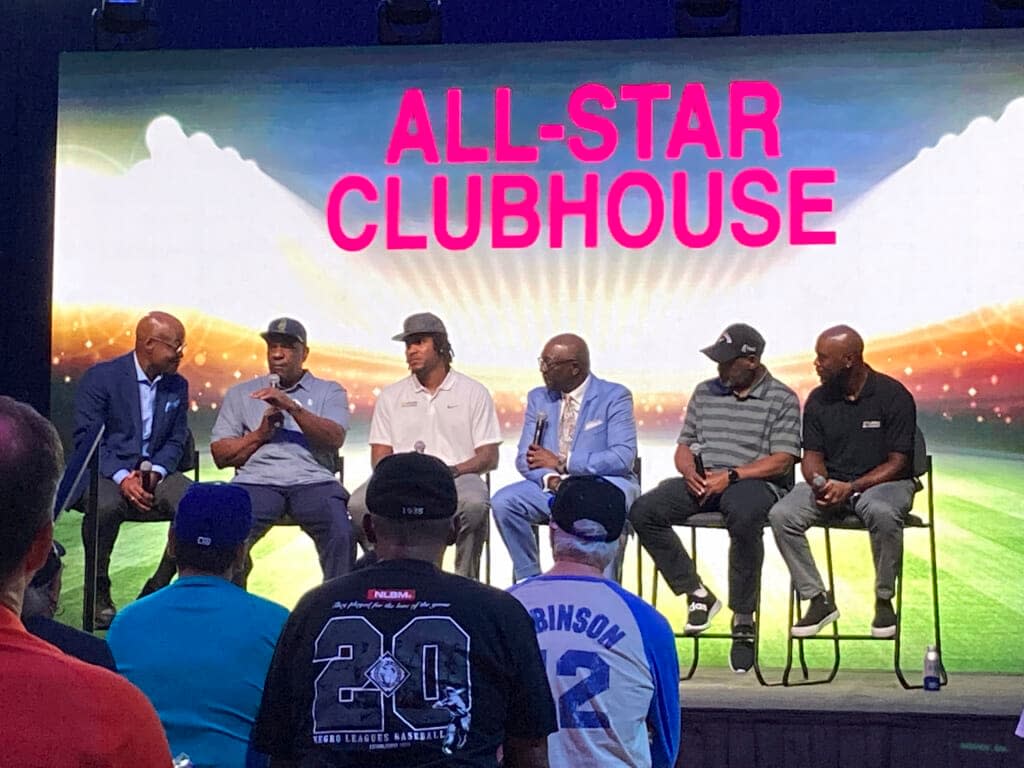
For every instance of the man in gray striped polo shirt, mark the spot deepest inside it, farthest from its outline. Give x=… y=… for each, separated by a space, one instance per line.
x=736 y=451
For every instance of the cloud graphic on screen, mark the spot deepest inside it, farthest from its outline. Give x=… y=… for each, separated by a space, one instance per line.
x=197 y=225
x=939 y=238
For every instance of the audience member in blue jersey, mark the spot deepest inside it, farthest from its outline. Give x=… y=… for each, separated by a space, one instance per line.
x=200 y=648
x=610 y=657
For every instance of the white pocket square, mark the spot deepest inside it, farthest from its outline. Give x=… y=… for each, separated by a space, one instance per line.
x=592 y=424
x=170 y=405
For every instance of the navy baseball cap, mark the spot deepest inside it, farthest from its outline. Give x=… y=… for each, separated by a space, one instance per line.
x=589 y=497
x=215 y=515
x=412 y=486
x=286 y=326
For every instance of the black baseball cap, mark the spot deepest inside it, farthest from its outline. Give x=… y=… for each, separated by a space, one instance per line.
x=286 y=326
x=411 y=486
x=738 y=340
x=589 y=497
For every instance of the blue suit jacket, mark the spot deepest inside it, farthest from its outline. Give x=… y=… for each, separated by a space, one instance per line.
x=109 y=394
x=605 y=439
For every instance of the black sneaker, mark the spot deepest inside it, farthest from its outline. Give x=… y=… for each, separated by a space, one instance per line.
x=884 y=624
x=702 y=611
x=741 y=657
x=820 y=613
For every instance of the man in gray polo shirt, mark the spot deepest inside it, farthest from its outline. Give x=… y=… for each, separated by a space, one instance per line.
x=282 y=433
x=745 y=428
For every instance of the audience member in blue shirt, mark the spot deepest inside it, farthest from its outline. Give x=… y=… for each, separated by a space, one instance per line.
x=200 y=648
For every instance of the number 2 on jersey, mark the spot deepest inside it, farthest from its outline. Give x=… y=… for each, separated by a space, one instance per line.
x=570 y=711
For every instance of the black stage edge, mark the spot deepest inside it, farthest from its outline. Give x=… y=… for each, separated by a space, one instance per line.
x=860 y=720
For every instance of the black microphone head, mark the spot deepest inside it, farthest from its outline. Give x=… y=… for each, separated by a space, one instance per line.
x=538 y=430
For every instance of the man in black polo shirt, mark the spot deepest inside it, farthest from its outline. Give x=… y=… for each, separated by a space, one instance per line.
x=744 y=425
x=858 y=455
x=401 y=664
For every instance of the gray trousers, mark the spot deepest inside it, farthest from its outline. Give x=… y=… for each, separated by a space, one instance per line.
x=472 y=517
x=882 y=508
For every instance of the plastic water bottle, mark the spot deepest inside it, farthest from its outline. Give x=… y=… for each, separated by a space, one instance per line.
x=932 y=669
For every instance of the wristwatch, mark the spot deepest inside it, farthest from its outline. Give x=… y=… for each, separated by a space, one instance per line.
x=734 y=476
x=854 y=496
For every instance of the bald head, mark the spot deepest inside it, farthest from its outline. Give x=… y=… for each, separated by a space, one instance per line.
x=574 y=346
x=155 y=322
x=31 y=460
x=565 y=362
x=839 y=359
x=846 y=340
x=159 y=343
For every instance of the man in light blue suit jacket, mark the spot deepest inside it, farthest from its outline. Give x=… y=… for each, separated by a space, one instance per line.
x=599 y=440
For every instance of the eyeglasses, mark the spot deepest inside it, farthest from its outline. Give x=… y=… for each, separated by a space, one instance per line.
x=546 y=364
x=176 y=348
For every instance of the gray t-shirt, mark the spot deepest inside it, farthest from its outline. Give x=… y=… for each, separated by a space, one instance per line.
x=287 y=459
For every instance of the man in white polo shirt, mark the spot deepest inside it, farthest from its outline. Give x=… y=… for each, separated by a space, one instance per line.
x=442 y=413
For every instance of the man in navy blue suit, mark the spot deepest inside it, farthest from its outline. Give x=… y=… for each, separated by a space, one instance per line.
x=143 y=404
x=587 y=429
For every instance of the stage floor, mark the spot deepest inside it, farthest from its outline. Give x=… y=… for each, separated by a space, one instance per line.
x=855 y=691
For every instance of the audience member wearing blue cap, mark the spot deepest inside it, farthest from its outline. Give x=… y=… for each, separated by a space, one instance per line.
x=200 y=648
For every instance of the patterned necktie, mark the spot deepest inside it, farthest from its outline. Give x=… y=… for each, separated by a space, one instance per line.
x=567 y=424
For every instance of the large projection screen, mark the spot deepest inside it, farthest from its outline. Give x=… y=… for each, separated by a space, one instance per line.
x=644 y=194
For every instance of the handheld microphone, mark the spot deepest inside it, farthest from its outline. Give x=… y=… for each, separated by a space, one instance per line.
x=698 y=461
x=277 y=420
x=538 y=431
x=818 y=482
x=147 y=473
x=420 y=446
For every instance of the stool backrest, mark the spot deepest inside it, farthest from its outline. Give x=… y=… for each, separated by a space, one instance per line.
x=920 y=453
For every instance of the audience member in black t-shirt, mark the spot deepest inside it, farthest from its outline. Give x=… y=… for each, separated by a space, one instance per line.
x=858 y=440
x=401 y=664
x=39 y=606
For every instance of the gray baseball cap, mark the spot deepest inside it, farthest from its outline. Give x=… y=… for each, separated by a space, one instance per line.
x=422 y=322
x=288 y=327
